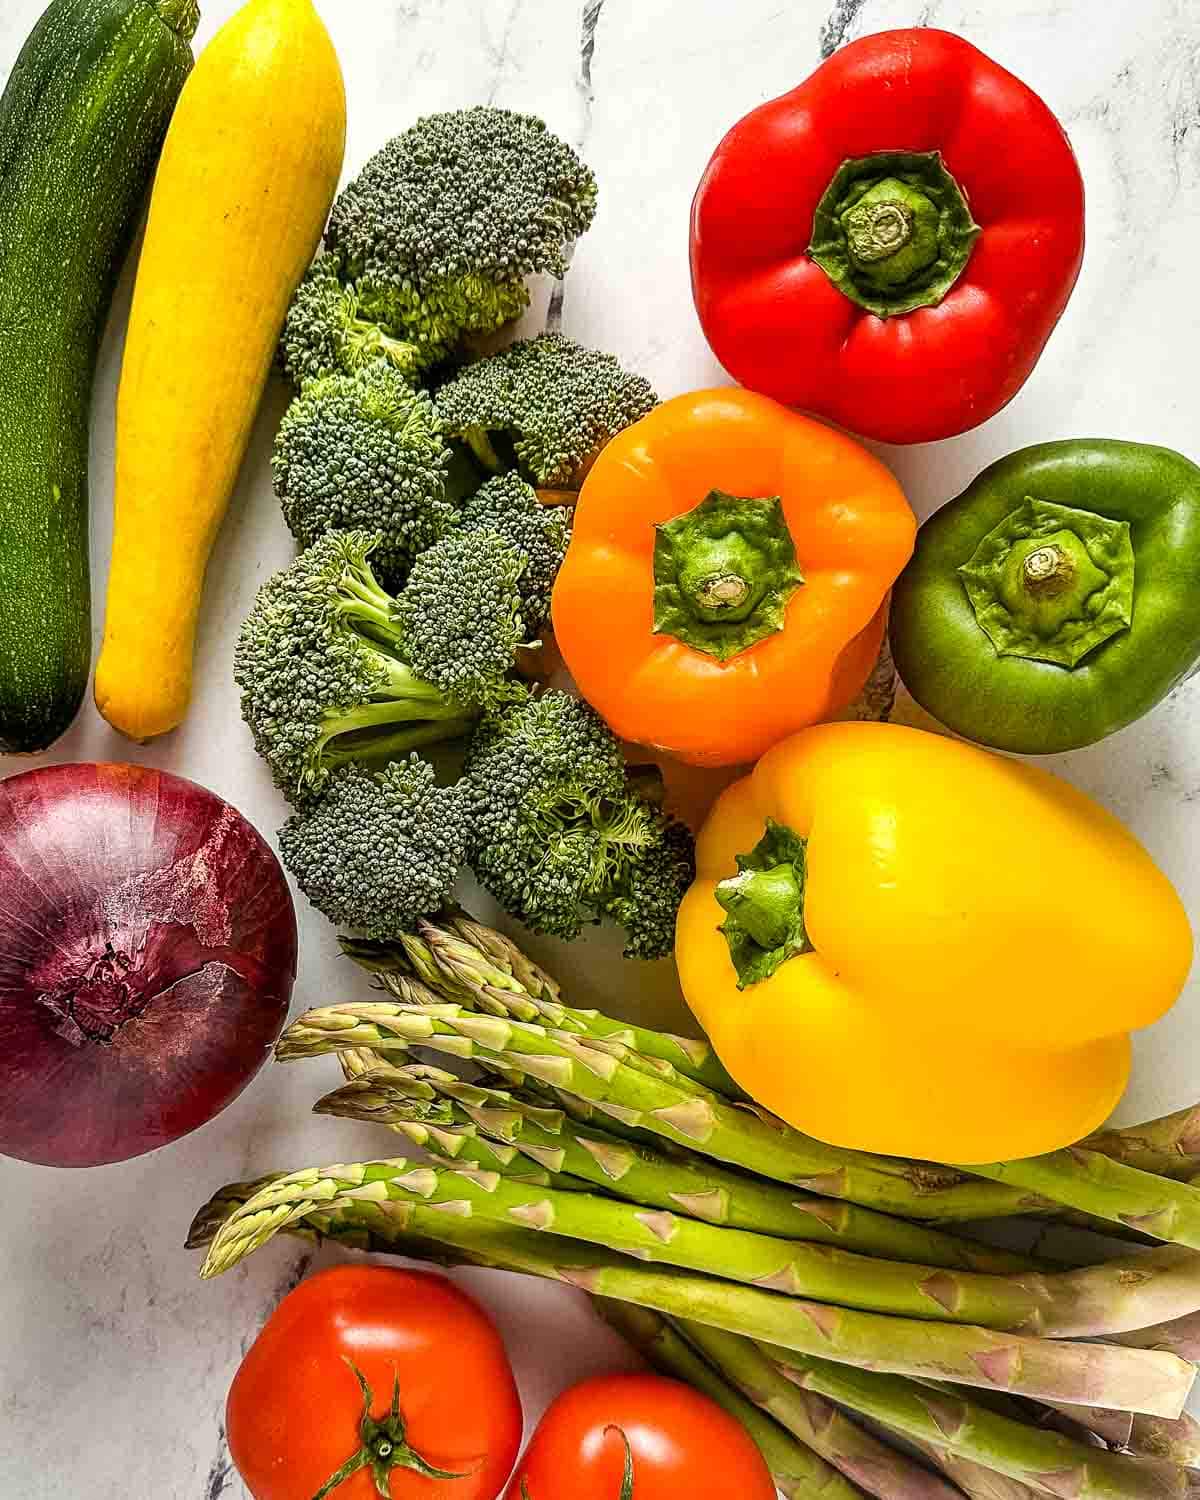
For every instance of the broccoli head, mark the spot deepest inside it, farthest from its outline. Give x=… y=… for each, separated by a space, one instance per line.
x=545 y=405
x=365 y=452
x=381 y=850
x=432 y=241
x=565 y=833
x=323 y=659
x=539 y=533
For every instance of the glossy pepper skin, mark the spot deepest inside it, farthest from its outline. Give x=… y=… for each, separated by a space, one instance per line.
x=1042 y=628
x=965 y=318
x=972 y=941
x=727 y=578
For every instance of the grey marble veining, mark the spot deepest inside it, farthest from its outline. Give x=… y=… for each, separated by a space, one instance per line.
x=114 y=1359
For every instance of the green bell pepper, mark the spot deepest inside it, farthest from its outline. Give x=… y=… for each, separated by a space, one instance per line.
x=1057 y=599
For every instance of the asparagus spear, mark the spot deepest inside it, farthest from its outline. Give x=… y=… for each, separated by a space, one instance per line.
x=797 y=1470
x=817 y=1422
x=1180 y=1336
x=976 y=1482
x=876 y=1467
x=379 y=1196
x=1113 y=1428
x=1169 y=1146
x=1177 y=1440
x=686 y=1115
x=450 y=1144
x=1045 y=1461
x=684 y=1183
x=463 y=961
x=222 y=1205
x=1107 y=1189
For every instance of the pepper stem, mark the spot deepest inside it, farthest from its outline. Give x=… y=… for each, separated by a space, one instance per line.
x=722 y=591
x=764 y=905
x=723 y=573
x=893 y=231
x=1048 y=572
x=1051 y=582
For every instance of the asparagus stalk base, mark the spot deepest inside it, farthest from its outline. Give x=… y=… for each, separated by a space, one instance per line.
x=1107 y=1189
x=1044 y=1461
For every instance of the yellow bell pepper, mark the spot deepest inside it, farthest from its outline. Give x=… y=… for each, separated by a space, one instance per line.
x=929 y=950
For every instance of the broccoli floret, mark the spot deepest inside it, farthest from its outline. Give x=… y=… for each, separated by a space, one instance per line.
x=564 y=832
x=328 y=329
x=365 y=451
x=379 y=851
x=324 y=663
x=657 y=883
x=547 y=405
x=540 y=533
x=460 y=616
x=432 y=242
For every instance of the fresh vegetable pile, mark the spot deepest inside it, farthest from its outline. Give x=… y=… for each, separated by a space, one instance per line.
x=919 y=963
x=433 y=538
x=742 y=1253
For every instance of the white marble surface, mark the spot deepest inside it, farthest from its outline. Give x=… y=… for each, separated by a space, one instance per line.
x=114 y=1359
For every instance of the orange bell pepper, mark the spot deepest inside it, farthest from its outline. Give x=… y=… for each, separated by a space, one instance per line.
x=904 y=944
x=728 y=576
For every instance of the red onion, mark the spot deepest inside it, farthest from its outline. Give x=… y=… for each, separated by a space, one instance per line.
x=147 y=956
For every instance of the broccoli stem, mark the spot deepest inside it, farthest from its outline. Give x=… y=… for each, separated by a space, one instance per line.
x=463 y=476
x=367 y=604
x=424 y=710
x=370 y=341
x=402 y=686
x=379 y=749
x=478 y=439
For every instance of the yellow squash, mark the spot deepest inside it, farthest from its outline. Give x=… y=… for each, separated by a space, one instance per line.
x=243 y=190
x=929 y=950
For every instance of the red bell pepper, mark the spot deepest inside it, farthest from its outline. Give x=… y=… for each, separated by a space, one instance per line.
x=890 y=244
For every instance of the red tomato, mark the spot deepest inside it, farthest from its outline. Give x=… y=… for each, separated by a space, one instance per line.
x=441 y=1393
x=639 y=1437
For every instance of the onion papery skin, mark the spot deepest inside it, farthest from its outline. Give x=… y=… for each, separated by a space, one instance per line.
x=147 y=958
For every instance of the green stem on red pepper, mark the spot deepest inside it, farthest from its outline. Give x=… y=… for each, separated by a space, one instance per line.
x=893 y=231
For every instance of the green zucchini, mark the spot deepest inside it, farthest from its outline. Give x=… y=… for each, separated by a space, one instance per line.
x=82 y=120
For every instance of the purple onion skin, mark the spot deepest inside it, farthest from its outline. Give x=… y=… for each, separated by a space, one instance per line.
x=147 y=957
